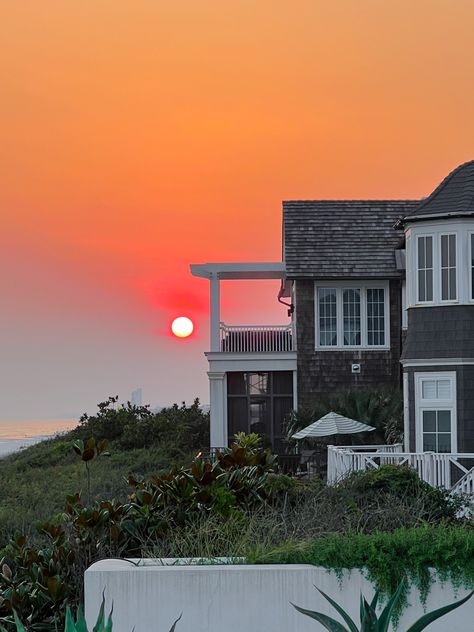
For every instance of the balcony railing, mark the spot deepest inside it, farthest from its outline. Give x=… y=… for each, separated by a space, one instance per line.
x=451 y=471
x=256 y=338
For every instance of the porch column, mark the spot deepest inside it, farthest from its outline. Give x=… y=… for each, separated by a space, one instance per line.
x=215 y=311
x=218 y=409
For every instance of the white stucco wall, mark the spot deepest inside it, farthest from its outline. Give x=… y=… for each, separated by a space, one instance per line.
x=239 y=598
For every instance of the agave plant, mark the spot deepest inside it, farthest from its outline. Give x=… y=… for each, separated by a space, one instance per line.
x=103 y=624
x=369 y=620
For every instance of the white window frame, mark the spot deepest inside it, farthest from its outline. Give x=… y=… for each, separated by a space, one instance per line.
x=433 y=268
x=439 y=269
x=435 y=404
x=339 y=286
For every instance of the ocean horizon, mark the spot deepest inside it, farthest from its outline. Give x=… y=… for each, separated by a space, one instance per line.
x=18 y=434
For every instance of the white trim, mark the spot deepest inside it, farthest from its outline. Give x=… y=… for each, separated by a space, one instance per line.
x=406 y=414
x=363 y=285
x=438 y=362
x=470 y=251
x=435 y=404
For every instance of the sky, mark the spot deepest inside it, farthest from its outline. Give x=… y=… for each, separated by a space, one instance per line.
x=139 y=136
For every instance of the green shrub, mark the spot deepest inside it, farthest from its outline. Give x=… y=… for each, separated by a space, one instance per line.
x=388 y=558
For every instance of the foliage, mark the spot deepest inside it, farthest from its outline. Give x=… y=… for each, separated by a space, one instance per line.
x=381 y=408
x=36 y=479
x=404 y=555
x=37 y=581
x=370 y=621
x=402 y=482
x=130 y=427
x=80 y=625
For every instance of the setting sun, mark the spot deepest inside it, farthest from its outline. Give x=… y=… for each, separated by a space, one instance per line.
x=182 y=327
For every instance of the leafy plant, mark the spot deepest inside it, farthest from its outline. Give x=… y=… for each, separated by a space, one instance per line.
x=87 y=452
x=80 y=625
x=369 y=620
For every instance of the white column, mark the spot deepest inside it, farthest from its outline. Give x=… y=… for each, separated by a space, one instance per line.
x=218 y=409
x=215 y=311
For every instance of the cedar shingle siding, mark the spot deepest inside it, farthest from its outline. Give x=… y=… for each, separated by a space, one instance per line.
x=321 y=372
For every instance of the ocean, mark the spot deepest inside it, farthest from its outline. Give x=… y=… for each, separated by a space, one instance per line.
x=15 y=435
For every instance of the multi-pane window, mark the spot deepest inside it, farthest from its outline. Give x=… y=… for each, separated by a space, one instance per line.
x=436 y=431
x=351 y=316
x=448 y=267
x=425 y=268
x=327 y=317
x=436 y=411
x=375 y=316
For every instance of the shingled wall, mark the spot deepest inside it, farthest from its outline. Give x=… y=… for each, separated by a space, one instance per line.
x=326 y=371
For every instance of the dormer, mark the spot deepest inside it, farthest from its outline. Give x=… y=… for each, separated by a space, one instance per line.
x=439 y=236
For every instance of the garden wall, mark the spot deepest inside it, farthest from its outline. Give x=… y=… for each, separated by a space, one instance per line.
x=212 y=598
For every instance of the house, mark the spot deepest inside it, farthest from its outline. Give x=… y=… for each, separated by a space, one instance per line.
x=378 y=292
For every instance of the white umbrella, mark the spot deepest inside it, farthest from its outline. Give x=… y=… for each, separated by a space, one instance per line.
x=332 y=424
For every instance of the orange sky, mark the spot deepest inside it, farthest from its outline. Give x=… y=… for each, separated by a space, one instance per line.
x=138 y=136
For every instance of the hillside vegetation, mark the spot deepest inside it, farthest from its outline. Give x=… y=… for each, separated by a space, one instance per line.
x=36 y=480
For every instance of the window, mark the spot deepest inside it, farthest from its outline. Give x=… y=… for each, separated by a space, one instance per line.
x=327 y=317
x=448 y=267
x=425 y=268
x=259 y=402
x=354 y=315
x=435 y=402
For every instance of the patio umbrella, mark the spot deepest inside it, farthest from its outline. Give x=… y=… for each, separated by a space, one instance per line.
x=332 y=424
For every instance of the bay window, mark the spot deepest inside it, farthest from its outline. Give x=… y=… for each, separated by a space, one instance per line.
x=352 y=315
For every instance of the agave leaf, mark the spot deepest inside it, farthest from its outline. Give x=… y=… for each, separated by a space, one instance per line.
x=352 y=626
x=368 y=617
x=81 y=625
x=375 y=599
x=328 y=622
x=429 y=617
x=174 y=624
x=99 y=626
x=386 y=616
x=69 y=625
x=19 y=625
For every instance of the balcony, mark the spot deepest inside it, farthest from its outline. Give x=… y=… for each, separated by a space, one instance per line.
x=256 y=338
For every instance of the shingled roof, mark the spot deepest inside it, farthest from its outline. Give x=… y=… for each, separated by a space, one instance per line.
x=326 y=239
x=453 y=197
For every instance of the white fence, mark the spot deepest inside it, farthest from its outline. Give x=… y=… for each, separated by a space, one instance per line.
x=211 y=598
x=256 y=338
x=451 y=471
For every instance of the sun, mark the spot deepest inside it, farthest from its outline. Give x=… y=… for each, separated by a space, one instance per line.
x=182 y=327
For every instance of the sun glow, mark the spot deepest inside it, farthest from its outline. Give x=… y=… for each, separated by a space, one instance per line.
x=182 y=327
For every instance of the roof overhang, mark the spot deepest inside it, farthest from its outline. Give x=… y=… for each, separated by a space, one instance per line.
x=226 y=271
x=453 y=214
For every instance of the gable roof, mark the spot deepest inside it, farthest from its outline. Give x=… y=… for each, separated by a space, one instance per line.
x=326 y=239
x=454 y=196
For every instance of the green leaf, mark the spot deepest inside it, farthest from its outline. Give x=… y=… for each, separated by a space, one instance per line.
x=328 y=622
x=429 y=617
x=386 y=615
x=99 y=626
x=69 y=625
x=343 y=613
x=368 y=617
x=81 y=625
x=174 y=624
x=88 y=454
x=19 y=625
